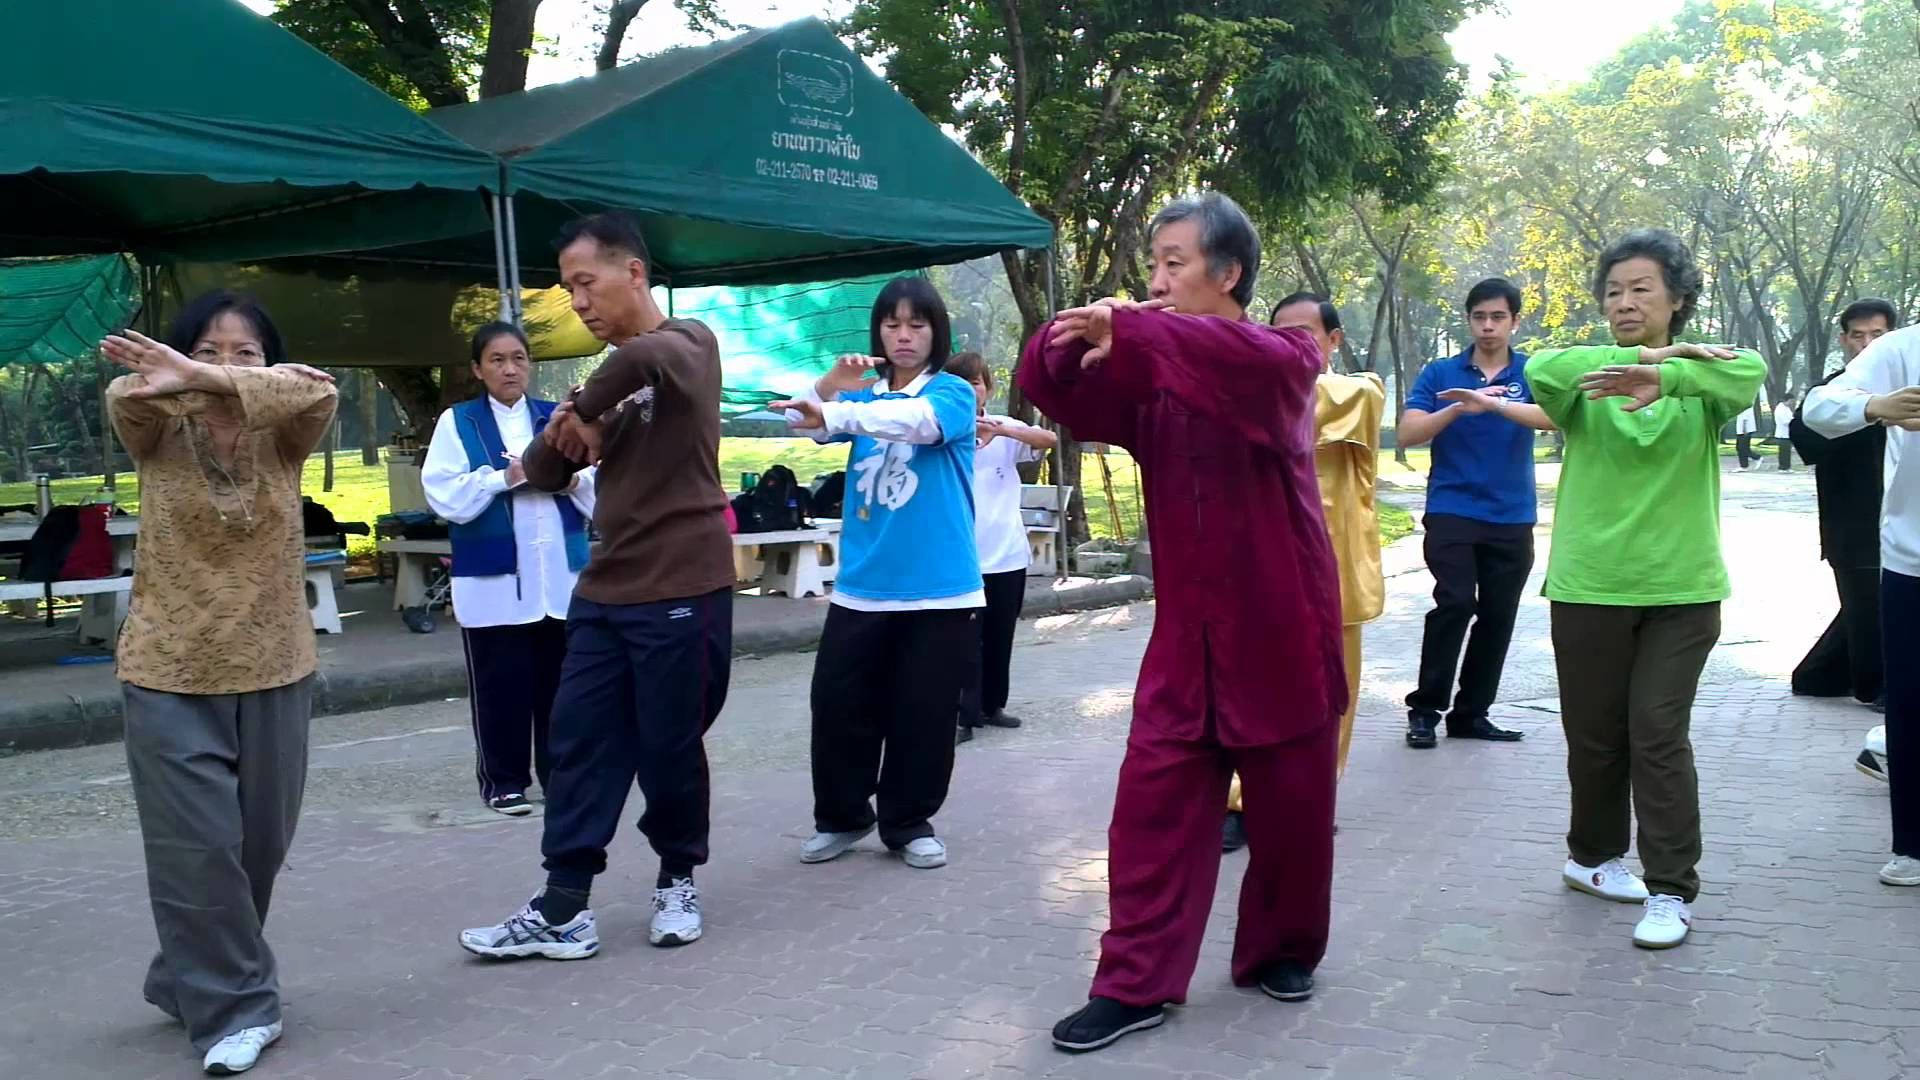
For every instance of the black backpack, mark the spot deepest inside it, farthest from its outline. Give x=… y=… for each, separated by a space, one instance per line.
x=777 y=503
x=828 y=493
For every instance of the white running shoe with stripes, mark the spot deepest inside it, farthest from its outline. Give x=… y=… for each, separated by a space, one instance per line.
x=527 y=933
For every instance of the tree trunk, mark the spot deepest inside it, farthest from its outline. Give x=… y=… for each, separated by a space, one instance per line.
x=509 y=44
x=417 y=396
x=77 y=403
x=1399 y=373
x=1818 y=339
x=109 y=479
x=1031 y=298
x=457 y=384
x=369 y=418
x=6 y=436
x=619 y=17
x=24 y=432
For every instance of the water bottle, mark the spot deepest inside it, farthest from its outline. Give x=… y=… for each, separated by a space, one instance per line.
x=43 y=494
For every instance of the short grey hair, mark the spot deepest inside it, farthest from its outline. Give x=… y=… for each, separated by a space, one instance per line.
x=1227 y=236
x=1677 y=266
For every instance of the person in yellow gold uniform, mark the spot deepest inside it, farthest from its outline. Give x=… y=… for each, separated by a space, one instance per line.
x=1347 y=413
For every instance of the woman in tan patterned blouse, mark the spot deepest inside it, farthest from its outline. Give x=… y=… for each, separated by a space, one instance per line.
x=216 y=657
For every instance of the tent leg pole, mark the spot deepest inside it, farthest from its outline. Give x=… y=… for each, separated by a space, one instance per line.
x=500 y=259
x=513 y=265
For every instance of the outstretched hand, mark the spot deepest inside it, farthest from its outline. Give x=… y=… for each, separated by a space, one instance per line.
x=1094 y=325
x=1639 y=382
x=802 y=414
x=163 y=368
x=985 y=430
x=1897 y=409
x=849 y=372
x=1483 y=399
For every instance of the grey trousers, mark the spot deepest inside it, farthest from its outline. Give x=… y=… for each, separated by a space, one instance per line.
x=218 y=781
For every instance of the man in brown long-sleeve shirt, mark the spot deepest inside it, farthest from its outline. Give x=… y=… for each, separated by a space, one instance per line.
x=650 y=629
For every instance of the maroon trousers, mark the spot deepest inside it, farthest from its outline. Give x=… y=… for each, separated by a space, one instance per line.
x=1164 y=860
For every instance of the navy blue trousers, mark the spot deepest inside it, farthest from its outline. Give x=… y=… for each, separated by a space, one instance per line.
x=641 y=685
x=512 y=675
x=1900 y=638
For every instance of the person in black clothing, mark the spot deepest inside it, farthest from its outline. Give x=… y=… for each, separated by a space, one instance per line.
x=1847 y=477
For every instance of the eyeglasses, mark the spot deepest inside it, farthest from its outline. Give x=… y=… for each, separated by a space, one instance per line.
x=244 y=355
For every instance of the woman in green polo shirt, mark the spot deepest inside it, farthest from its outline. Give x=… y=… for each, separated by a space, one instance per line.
x=1635 y=574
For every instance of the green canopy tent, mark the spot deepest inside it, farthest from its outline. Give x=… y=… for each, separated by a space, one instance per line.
x=196 y=129
x=775 y=156
x=712 y=148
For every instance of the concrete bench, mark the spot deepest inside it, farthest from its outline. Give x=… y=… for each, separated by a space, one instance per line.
x=797 y=562
x=1041 y=508
x=101 y=610
x=1043 y=552
x=323 y=568
x=414 y=561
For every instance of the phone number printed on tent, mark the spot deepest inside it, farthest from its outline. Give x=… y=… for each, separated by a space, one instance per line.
x=806 y=173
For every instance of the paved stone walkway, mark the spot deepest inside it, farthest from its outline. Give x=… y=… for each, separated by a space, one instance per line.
x=1456 y=951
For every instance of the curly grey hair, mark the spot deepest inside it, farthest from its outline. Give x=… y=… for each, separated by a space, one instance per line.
x=1677 y=265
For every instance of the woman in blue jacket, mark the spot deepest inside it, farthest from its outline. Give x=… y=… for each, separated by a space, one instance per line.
x=902 y=628
x=516 y=555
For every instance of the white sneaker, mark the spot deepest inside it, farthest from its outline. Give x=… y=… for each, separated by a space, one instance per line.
x=240 y=1051
x=1873 y=754
x=527 y=933
x=926 y=853
x=676 y=914
x=1665 y=923
x=825 y=846
x=1901 y=870
x=1610 y=880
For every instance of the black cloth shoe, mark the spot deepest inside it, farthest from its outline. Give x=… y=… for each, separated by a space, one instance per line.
x=1233 y=832
x=1102 y=1022
x=962 y=734
x=1483 y=729
x=999 y=718
x=1420 y=734
x=512 y=804
x=1287 y=982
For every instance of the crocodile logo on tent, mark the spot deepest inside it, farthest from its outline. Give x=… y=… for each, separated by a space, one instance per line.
x=816 y=83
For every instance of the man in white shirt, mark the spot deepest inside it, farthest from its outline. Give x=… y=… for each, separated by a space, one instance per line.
x=1882 y=385
x=516 y=555
x=1783 y=419
x=1744 y=426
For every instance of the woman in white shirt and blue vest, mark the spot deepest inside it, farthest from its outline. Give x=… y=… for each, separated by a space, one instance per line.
x=903 y=629
x=516 y=554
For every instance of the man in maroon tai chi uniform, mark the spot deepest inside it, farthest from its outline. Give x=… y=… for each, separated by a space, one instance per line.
x=1245 y=666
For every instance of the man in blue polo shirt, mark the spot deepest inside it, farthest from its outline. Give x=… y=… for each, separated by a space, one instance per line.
x=1478 y=412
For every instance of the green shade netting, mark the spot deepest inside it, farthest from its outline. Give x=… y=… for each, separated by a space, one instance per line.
x=774 y=339
x=54 y=310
